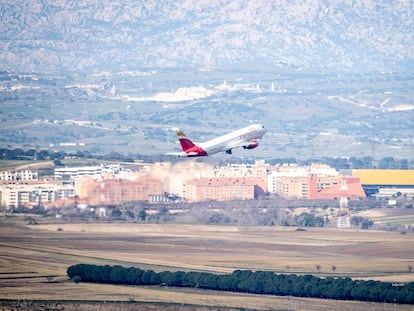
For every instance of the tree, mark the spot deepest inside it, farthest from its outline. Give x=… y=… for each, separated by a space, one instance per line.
x=142 y=214
x=102 y=273
x=362 y=222
x=146 y=277
x=259 y=282
x=116 y=213
x=309 y=220
x=155 y=279
x=366 y=223
x=133 y=276
x=177 y=279
x=130 y=215
x=118 y=275
x=57 y=162
x=76 y=279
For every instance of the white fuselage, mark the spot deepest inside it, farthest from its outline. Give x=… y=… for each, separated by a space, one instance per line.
x=239 y=138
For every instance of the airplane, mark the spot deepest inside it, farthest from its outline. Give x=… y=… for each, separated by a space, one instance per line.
x=245 y=138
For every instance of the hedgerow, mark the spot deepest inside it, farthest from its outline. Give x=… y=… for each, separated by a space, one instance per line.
x=258 y=282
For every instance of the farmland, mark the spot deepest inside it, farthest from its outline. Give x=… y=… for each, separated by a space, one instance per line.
x=34 y=259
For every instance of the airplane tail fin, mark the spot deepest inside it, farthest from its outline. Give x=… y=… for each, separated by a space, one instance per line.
x=185 y=142
x=189 y=147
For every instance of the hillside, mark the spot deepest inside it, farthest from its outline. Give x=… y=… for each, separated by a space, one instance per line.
x=45 y=35
x=307 y=114
x=326 y=78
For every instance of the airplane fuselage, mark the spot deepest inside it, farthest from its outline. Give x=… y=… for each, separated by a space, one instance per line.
x=236 y=138
x=245 y=138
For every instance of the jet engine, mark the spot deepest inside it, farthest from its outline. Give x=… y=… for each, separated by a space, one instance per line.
x=253 y=144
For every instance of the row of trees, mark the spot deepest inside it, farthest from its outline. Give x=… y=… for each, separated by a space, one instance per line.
x=43 y=154
x=259 y=282
x=337 y=163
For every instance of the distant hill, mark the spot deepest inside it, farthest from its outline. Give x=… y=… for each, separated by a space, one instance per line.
x=326 y=78
x=308 y=115
x=45 y=35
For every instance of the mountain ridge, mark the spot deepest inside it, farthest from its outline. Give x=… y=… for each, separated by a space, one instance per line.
x=45 y=36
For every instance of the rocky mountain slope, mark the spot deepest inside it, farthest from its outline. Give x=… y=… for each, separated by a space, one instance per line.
x=46 y=35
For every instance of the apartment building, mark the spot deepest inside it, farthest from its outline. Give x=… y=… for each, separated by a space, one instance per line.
x=232 y=170
x=335 y=188
x=117 y=191
x=30 y=195
x=220 y=189
x=295 y=186
x=68 y=174
x=293 y=180
x=23 y=175
x=65 y=173
x=258 y=170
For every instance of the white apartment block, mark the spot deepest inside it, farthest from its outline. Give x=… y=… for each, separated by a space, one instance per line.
x=21 y=195
x=234 y=170
x=389 y=192
x=291 y=180
x=69 y=174
x=23 y=175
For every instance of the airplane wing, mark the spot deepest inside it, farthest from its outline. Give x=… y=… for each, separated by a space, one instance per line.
x=177 y=154
x=184 y=154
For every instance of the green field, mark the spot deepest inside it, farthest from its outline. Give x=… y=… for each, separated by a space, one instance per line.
x=396 y=220
x=11 y=165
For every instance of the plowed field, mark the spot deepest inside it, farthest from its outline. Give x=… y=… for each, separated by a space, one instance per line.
x=34 y=259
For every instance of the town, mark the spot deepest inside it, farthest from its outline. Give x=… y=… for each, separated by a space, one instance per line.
x=234 y=193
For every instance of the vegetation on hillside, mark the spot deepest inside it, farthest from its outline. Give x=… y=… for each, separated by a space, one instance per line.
x=337 y=163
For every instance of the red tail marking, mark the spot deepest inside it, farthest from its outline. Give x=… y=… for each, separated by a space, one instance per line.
x=189 y=147
x=186 y=144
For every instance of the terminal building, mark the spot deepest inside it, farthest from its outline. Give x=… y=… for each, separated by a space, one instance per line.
x=386 y=183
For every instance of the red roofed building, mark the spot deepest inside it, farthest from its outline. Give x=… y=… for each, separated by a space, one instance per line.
x=347 y=187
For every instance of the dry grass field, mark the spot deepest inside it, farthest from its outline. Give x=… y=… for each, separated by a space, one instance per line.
x=34 y=259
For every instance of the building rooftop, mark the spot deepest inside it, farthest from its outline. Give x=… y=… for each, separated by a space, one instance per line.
x=384 y=177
